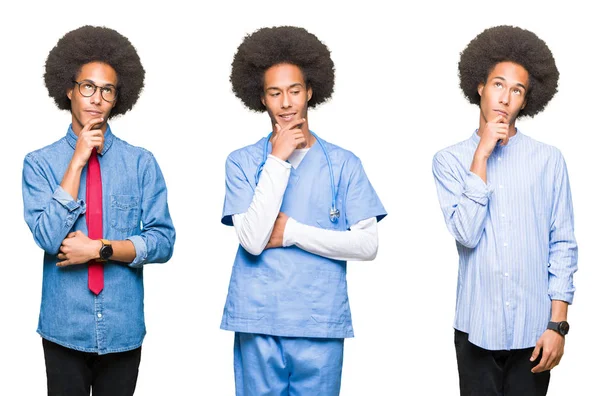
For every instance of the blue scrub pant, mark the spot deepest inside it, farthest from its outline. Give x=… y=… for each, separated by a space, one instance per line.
x=295 y=366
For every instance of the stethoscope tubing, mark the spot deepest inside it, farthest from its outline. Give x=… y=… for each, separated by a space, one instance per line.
x=334 y=213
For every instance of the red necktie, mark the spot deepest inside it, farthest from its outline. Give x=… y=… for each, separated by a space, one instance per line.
x=93 y=219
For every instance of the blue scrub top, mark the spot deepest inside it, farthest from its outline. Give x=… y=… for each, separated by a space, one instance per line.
x=288 y=291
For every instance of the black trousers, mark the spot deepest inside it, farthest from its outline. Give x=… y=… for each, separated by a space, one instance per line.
x=72 y=373
x=497 y=373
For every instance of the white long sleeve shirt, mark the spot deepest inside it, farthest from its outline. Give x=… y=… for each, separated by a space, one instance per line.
x=254 y=227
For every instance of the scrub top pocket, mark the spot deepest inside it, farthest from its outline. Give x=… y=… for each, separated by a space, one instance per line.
x=247 y=293
x=330 y=298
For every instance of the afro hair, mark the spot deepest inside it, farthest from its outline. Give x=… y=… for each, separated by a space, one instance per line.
x=283 y=44
x=94 y=44
x=510 y=44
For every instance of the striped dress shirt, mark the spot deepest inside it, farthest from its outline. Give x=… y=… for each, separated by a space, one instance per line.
x=514 y=235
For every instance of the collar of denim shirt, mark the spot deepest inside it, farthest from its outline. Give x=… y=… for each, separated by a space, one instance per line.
x=108 y=138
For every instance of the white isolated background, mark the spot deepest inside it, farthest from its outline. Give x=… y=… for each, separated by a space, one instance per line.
x=396 y=103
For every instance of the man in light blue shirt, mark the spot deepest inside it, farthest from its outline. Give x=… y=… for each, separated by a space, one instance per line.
x=507 y=202
x=93 y=338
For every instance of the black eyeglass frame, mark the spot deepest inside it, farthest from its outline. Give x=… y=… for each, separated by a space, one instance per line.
x=95 y=89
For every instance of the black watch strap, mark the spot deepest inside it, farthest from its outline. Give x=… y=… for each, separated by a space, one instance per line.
x=561 y=328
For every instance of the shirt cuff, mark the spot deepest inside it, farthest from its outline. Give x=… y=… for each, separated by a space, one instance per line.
x=141 y=251
x=476 y=190
x=564 y=296
x=285 y=164
x=288 y=233
x=66 y=200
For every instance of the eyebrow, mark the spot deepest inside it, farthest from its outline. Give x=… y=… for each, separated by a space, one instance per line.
x=291 y=86
x=504 y=79
x=99 y=86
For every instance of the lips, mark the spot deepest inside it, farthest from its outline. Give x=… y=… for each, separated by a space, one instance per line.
x=502 y=113
x=287 y=116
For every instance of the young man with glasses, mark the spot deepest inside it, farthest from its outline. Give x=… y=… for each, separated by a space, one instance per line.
x=97 y=206
x=507 y=202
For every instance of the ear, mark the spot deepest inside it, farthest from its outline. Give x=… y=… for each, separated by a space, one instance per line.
x=480 y=88
x=524 y=104
x=70 y=93
x=309 y=94
x=262 y=100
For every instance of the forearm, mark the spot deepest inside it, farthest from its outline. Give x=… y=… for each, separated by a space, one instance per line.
x=563 y=253
x=51 y=221
x=479 y=166
x=72 y=179
x=123 y=251
x=359 y=243
x=466 y=214
x=559 y=310
x=463 y=197
x=254 y=226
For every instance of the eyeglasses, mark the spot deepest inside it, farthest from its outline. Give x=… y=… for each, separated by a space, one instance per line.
x=87 y=89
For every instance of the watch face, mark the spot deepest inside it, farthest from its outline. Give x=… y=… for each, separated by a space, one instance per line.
x=563 y=327
x=106 y=252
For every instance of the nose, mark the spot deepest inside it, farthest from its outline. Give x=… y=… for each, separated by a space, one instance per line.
x=504 y=97
x=285 y=102
x=96 y=98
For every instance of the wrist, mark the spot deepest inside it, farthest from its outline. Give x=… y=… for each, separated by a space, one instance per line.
x=105 y=251
x=561 y=327
x=481 y=156
x=288 y=233
x=97 y=246
x=77 y=165
x=279 y=155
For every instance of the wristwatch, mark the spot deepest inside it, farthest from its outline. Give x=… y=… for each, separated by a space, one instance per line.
x=106 y=250
x=561 y=328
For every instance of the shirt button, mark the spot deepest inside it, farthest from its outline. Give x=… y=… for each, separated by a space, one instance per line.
x=503 y=215
x=506 y=274
x=507 y=303
x=505 y=244
x=501 y=186
x=99 y=315
x=499 y=158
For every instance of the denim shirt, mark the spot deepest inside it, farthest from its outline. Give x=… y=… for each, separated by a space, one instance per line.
x=134 y=207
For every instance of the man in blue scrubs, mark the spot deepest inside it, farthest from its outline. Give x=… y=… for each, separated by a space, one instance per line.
x=301 y=208
x=507 y=202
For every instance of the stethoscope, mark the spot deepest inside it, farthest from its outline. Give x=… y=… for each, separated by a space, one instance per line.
x=334 y=213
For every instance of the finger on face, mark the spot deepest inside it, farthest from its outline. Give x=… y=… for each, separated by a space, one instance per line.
x=295 y=124
x=498 y=119
x=91 y=123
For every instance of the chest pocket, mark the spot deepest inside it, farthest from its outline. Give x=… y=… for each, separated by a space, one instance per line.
x=124 y=212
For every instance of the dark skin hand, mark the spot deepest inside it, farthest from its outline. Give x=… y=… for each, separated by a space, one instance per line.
x=551 y=343
x=276 y=238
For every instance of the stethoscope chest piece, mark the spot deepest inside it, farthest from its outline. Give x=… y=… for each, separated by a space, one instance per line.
x=334 y=215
